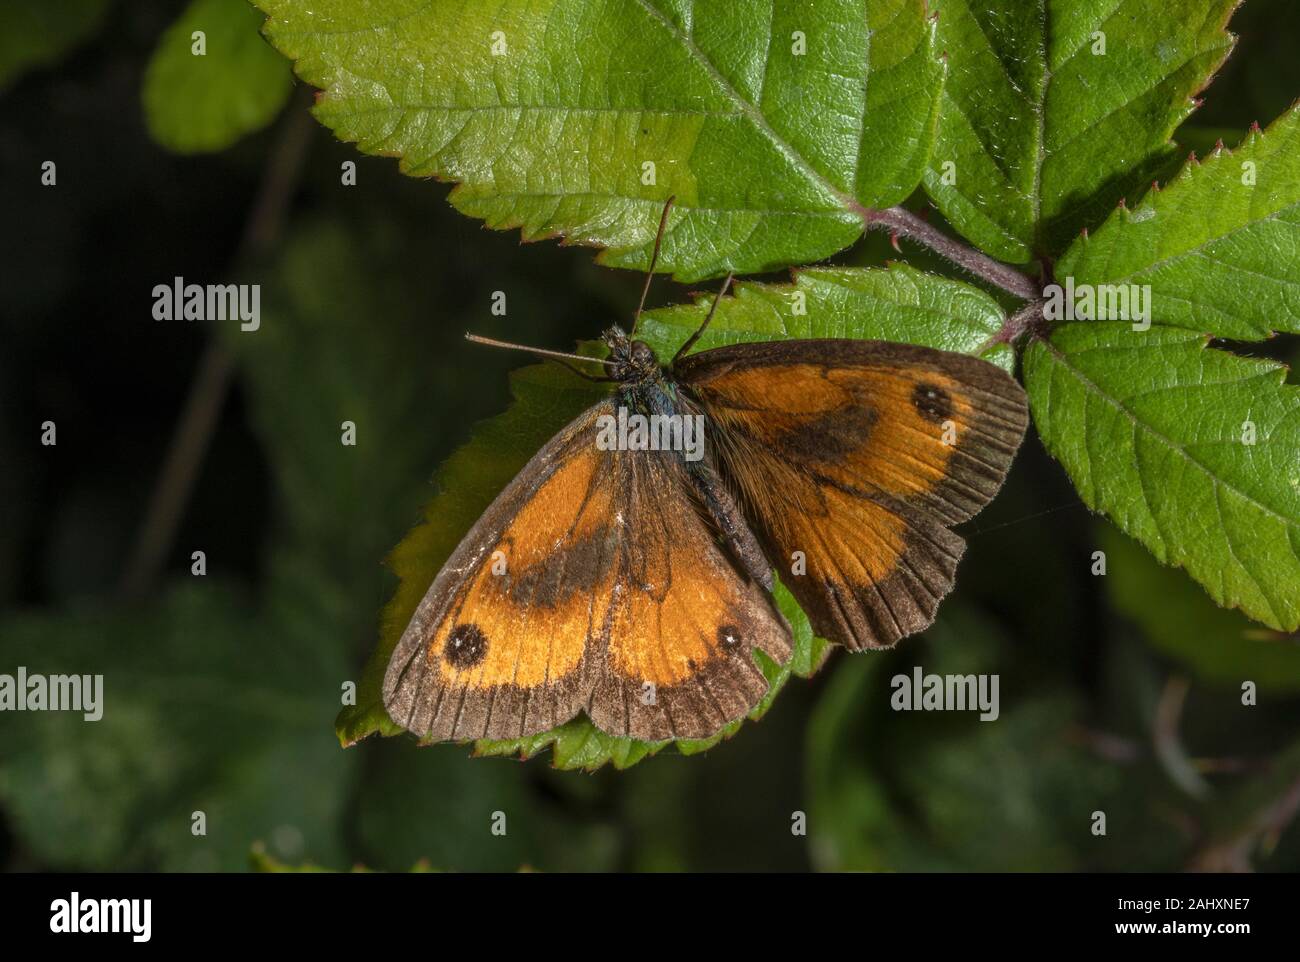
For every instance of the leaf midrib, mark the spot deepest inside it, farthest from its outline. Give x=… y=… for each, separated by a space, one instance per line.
x=750 y=110
x=1040 y=130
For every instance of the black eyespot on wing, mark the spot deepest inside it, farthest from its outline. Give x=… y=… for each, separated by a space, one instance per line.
x=466 y=646
x=729 y=637
x=932 y=402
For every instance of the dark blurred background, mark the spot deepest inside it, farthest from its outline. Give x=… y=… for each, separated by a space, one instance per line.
x=1119 y=694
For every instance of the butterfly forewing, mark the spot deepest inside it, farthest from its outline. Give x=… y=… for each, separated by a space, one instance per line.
x=852 y=458
x=497 y=646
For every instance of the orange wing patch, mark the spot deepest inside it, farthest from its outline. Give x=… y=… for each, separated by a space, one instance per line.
x=916 y=433
x=868 y=569
x=524 y=618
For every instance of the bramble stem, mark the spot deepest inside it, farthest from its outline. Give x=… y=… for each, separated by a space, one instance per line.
x=904 y=223
x=1029 y=317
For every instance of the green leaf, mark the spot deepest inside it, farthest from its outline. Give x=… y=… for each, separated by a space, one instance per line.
x=1156 y=431
x=199 y=103
x=895 y=304
x=1044 y=134
x=547 y=111
x=261 y=861
x=1220 y=646
x=1219 y=247
x=39 y=34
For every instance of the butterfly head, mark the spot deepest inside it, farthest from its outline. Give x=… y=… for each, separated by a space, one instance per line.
x=633 y=361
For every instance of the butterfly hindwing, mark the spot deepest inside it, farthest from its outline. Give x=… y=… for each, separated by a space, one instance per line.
x=591 y=582
x=685 y=622
x=853 y=458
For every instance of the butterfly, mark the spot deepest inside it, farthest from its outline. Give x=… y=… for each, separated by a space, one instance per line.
x=633 y=582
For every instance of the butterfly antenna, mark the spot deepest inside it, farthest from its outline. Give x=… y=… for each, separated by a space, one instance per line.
x=654 y=259
x=559 y=357
x=690 y=341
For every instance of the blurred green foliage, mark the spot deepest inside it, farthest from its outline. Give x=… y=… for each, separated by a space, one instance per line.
x=221 y=691
x=199 y=102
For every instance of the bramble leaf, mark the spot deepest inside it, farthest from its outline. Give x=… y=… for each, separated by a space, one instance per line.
x=200 y=102
x=772 y=124
x=1054 y=110
x=1219 y=247
x=894 y=304
x=1195 y=452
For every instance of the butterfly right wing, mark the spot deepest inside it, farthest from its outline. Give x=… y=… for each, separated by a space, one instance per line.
x=854 y=458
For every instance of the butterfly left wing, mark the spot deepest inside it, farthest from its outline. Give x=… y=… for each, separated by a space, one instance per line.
x=591 y=582
x=499 y=645
x=852 y=459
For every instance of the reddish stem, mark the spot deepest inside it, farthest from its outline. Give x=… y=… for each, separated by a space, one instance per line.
x=903 y=223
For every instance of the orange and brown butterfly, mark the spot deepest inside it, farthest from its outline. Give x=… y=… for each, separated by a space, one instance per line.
x=635 y=585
